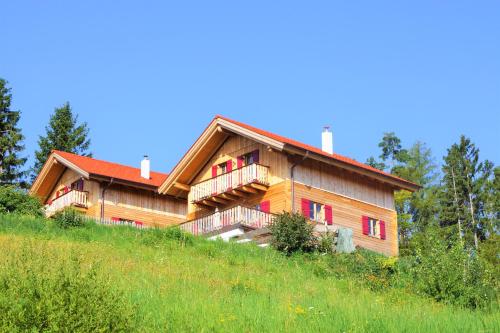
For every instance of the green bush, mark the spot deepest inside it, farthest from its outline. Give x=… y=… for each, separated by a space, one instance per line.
x=325 y=243
x=447 y=272
x=291 y=233
x=41 y=291
x=69 y=218
x=13 y=200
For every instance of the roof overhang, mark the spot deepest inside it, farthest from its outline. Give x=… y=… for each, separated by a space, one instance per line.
x=399 y=184
x=203 y=149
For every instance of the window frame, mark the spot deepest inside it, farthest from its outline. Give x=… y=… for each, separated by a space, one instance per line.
x=374 y=228
x=315 y=214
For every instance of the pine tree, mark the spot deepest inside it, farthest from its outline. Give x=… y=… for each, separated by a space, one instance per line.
x=464 y=194
x=392 y=151
x=10 y=141
x=63 y=133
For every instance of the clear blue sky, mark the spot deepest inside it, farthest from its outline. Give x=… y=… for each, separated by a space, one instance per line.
x=149 y=76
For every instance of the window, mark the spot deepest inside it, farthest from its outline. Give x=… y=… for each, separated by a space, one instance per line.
x=316 y=212
x=248 y=158
x=77 y=185
x=222 y=168
x=373 y=228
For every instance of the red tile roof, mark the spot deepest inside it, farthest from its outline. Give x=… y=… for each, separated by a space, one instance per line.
x=114 y=170
x=313 y=149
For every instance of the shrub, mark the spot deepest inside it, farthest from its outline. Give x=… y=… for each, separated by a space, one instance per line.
x=69 y=218
x=291 y=233
x=447 y=272
x=13 y=200
x=41 y=291
x=325 y=243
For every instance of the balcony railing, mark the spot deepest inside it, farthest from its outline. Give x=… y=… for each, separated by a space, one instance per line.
x=71 y=198
x=239 y=214
x=253 y=173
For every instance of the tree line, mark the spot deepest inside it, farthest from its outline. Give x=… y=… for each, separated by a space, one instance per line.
x=462 y=199
x=63 y=132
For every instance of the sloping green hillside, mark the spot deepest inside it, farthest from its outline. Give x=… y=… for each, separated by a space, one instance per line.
x=166 y=281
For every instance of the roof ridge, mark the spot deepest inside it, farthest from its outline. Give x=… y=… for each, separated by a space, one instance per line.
x=314 y=149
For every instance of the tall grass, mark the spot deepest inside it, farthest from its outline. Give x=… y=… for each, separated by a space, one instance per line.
x=175 y=282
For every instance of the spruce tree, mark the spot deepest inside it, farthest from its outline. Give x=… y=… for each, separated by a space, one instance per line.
x=10 y=140
x=464 y=194
x=62 y=133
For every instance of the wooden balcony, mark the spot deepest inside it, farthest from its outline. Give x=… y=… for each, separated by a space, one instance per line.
x=231 y=186
x=73 y=198
x=239 y=214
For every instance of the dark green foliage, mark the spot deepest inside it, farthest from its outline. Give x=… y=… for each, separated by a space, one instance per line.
x=42 y=293
x=63 y=133
x=292 y=233
x=69 y=218
x=392 y=150
x=464 y=194
x=10 y=141
x=371 y=161
x=14 y=200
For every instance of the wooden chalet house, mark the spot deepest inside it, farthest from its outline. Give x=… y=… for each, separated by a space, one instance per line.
x=236 y=174
x=105 y=191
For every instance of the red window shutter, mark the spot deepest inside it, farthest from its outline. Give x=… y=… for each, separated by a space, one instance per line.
x=265 y=206
x=328 y=215
x=239 y=162
x=382 y=230
x=365 y=220
x=305 y=208
x=214 y=170
x=229 y=166
x=255 y=156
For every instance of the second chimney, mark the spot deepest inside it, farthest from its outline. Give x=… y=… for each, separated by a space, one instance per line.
x=145 y=167
x=327 y=140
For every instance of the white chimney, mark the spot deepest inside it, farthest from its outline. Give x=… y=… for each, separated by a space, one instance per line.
x=327 y=140
x=145 y=167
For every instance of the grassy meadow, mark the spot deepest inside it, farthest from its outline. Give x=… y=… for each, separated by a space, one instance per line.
x=163 y=280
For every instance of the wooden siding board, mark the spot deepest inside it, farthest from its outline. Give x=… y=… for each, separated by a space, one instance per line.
x=340 y=181
x=348 y=212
